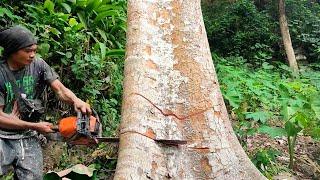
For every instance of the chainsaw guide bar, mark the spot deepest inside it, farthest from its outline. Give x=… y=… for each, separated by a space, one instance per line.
x=162 y=141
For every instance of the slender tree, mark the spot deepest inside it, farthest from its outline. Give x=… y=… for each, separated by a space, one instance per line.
x=286 y=37
x=171 y=91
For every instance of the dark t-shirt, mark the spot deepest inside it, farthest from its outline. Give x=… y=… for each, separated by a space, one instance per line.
x=32 y=80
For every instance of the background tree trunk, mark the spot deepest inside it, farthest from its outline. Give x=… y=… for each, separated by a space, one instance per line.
x=286 y=37
x=171 y=91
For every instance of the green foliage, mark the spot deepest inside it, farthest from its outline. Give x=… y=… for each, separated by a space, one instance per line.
x=268 y=100
x=304 y=22
x=265 y=161
x=239 y=29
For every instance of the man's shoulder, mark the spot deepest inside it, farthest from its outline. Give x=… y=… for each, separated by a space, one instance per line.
x=38 y=61
x=37 y=64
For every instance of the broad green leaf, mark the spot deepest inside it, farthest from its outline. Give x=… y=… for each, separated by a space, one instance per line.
x=66 y=7
x=292 y=129
x=79 y=172
x=287 y=112
x=302 y=120
x=49 y=5
x=261 y=116
x=272 y=131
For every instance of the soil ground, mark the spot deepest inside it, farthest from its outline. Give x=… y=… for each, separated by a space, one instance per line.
x=307 y=156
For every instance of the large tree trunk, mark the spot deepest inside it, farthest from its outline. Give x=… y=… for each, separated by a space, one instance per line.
x=286 y=37
x=171 y=91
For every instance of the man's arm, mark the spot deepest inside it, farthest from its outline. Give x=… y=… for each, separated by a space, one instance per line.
x=11 y=121
x=68 y=96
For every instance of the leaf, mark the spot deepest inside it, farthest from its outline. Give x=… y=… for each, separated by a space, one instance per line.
x=115 y=52
x=292 y=129
x=81 y=3
x=66 y=7
x=49 y=5
x=233 y=97
x=72 y=22
x=107 y=7
x=316 y=133
x=272 y=131
x=55 y=31
x=78 y=171
x=102 y=34
x=287 y=112
x=44 y=48
x=92 y=5
x=302 y=120
x=82 y=20
x=261 y=116
x=68 y=55
x=102 y=50
x=5 y=11
x=51 y=176
x=105 y=14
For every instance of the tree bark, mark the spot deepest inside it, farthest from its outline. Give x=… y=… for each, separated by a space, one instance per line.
x=286 y=37
x=171 y=91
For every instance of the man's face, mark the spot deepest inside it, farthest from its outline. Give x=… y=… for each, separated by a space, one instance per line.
x=24 y=56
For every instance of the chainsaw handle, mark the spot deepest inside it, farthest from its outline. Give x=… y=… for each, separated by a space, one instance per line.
x=94 y=113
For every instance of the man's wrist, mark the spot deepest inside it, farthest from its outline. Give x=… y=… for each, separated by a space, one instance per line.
x=31 y=125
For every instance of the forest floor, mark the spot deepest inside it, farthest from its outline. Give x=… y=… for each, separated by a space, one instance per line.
x=307 y=156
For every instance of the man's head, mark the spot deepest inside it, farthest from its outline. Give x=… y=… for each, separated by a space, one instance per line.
x=19 y=45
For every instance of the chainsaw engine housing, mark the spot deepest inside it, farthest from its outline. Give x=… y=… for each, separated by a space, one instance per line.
x=80 y=130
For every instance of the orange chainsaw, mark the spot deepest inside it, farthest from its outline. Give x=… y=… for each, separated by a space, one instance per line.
x=87 y=130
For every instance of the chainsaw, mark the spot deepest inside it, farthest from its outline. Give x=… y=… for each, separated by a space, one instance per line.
x=86 y=130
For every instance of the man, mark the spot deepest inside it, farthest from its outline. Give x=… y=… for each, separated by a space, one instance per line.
x=19 y=145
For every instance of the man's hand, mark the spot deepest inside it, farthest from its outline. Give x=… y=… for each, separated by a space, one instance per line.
x=43 y=127
x=79 y=105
